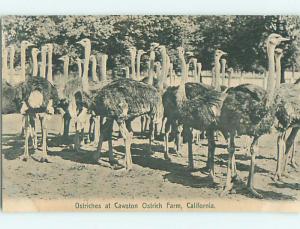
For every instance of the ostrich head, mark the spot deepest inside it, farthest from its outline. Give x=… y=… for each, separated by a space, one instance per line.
x=180 y=51
x=219 y=53
x=278 y=53
x=85 y=42
x=230 y=70
x=26 y=44
x=153 y=46
x=49 y=46
x=141 y=52
x=132 y=52
x=35 y=51
x=44 y=49
x=93 y=58
x=64 y=58
x=275 y=39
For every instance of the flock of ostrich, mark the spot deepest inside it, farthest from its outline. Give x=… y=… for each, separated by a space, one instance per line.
x=165 y=102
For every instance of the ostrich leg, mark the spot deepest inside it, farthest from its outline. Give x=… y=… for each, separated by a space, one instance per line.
x=27 y=133
x=190 y=148
x=142 y=123
x=253 y=151
x=211 y=153
x=127 y=139
x=280 y=155
x=290 y=145
x=179 y=139
x=167 y=132
x=44 y=139
x=151 y=133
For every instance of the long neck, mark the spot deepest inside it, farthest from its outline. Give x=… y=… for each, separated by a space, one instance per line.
x=87 y=53
x=4 y=64
x=49 y=74
x=43 y=63
x=133 y=67
x=151 y=67
x=35 y=64
x=127 y=72
x=11 y=58
x=66 y=67
x=271 y=66
x=138 y=66
x=223 y=71
x=199 y=66
x=229 y=79
x=23 y=63
x=278 y=71
x=181 y=95
x=79 y=65
x=217 y=74
x=103 y=67
x=94 y=70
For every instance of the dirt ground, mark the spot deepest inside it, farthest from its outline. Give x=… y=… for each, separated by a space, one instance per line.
x=76 y=175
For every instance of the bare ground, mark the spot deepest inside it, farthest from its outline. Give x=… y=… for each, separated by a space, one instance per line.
x=77 y=175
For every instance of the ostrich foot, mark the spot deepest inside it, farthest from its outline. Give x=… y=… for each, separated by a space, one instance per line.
x=97 y=157
x=44 y=160
x=294 y=164
x=255 y=193
x=24 y=158
x=113 y=161
x=190 y=168
x=227 y=190
x=167 y=157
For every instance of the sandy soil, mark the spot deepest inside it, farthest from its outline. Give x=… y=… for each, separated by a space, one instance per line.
x=76 y=175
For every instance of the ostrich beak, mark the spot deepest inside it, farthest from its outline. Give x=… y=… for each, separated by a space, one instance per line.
x=224 y=53
x=284 y=39
x=31 y=44
x=79 y=42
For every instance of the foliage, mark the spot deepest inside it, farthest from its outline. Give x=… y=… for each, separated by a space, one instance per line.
x=243 y=37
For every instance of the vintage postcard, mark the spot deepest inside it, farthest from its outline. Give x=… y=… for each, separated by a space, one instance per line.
x=150 y=113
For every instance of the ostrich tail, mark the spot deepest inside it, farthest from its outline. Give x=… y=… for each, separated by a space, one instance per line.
x=35 y=99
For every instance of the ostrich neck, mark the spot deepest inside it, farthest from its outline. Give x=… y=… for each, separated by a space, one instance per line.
x=103 y=67
x=87 y=53
x=49 y=75
x=79 y=69
x=94 y=70
x=11 y=58
x=163 y=70
x=181 y=90
x=271 y=66
x=223 y=72
x=35 y=64
x=43 y=64
x=138 y=66
x=66 y=67
x=217 y=74
x=133 y=67
x=278 y=71
x=23 y=63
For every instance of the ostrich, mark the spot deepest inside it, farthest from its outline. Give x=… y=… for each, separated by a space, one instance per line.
x=94 y=68
x=123 y=100
x=223 y=70
x=199 y=76
x=38 y=98
x=138 y=63
x=192 y=105
x=12 y=52
x=288 y=115
x=24 y=46
x=249 y=110
x=79 y=66
x=4 y=64
x=66 y=61
x=103 y=62
x=50 y=53
x=132 y=52
x=229 y=72
x=44 y=50
x=34 y=54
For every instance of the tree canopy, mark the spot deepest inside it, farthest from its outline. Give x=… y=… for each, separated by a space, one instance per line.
x=243 y=37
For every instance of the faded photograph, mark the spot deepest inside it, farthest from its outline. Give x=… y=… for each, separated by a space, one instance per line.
x=150 y=113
